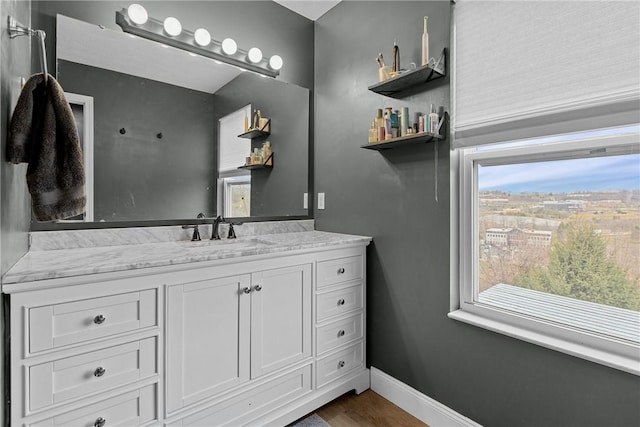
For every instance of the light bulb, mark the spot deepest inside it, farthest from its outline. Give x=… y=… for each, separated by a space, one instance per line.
x=229 y=46
x=254 y=55
x=275 y=62
x=137 y=14
x=172 y=26
x=202 y=37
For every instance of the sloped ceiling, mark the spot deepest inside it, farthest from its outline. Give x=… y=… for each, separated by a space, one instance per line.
x=312 y=9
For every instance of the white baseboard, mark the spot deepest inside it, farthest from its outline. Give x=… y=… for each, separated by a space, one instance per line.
x=417 y=404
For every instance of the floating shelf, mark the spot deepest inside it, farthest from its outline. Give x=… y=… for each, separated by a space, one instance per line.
x=418 y=138
x=254 y=133
x=252 y=167
x=262 y=166
x=412 y=78
x=257 y=133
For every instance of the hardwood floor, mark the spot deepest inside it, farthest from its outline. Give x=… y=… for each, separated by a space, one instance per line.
x=366 y=410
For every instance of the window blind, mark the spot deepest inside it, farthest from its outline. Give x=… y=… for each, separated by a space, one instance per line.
x=525 y=69
x=233 y=150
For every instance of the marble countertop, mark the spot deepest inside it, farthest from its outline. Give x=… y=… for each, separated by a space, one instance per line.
x=60 y=263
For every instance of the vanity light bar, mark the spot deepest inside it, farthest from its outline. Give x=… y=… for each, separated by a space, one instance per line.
x=153 y=29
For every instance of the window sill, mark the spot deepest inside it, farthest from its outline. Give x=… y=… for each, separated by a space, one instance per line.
x=575 y=343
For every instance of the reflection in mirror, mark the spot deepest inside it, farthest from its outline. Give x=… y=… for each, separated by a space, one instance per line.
x=82 y=108
x=234 y=189
x=158 y=115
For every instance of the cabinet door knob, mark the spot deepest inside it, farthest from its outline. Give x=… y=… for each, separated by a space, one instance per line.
x=341 y=270
x=258 y=288
x=247 y=290
x=100 y=422
x=340 y=333
x=341 y=364
x=99 y=319
x=99 y=372
x=341 y=301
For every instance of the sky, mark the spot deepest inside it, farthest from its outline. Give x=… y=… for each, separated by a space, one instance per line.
x=564 y=176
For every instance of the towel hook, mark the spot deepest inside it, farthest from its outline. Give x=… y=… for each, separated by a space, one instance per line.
x=16 y=29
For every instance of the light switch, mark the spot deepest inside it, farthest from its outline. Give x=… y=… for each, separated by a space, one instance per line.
x=320 y=200
x=305 y=201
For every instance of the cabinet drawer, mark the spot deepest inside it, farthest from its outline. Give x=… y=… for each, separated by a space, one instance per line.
x=335 y=365
x=69 y=323
x=78 y=376
x=339 y=270
x=340 y=301
x=129 y=409
x=337 y=333
x=259 y=400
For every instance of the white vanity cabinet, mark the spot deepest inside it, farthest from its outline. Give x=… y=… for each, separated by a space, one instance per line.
x=85 y=355
x=340 y=317
x=248 y=340
x=226 y=331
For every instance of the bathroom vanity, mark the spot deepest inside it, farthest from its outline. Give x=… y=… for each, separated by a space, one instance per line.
x=260 y=330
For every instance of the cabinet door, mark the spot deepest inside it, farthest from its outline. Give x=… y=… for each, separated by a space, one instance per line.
x=207 y=338
x=280 y=318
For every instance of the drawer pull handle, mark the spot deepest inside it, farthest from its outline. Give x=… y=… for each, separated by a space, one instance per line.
x=341 y=270
x=340 y=333
x=258 y=288
x=341 y=364
x=247 y=290
x=99 y=319
x=100 y=371
x=100 y=422
x=341 y=301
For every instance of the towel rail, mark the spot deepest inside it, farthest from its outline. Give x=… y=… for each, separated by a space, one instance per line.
x=16 y=29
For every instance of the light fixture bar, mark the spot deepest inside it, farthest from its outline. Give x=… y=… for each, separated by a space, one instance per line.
x=153 y=29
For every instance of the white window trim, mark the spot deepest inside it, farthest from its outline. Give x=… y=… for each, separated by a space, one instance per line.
x=618 y=354
x=227 y=184
x=86 y=102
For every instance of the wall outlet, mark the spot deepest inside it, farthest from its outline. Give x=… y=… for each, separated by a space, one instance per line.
x=305 y=201
x=320 y=200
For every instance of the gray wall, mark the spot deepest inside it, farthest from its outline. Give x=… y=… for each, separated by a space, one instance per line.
x=278 y=191
x=14 y=197
x=493 y=379
x=15 y=203
x=137 y=175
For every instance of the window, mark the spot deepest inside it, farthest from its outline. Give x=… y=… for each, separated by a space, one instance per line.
x=550 y=240
x=545 y=174
x=237 y=196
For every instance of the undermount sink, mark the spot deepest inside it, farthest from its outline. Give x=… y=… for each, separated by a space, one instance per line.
x=223 y=243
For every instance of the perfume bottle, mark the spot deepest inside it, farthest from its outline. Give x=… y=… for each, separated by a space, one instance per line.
x=380 y=124
x=433 y=120
x=425 y=43
x=373 y=132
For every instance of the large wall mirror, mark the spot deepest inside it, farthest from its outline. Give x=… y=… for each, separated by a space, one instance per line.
x=161 y=119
